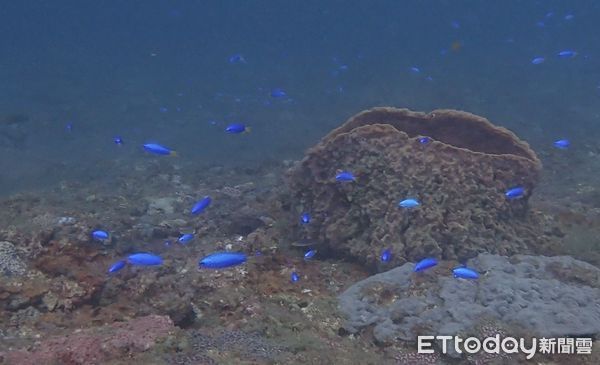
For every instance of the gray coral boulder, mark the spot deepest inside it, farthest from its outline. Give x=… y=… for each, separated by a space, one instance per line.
x=545 y=296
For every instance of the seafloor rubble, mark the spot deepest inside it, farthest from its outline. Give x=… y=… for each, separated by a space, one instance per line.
x=459 y=174
x=58 y=305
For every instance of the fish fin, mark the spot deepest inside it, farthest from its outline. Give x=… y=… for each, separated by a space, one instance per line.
x=173 y=154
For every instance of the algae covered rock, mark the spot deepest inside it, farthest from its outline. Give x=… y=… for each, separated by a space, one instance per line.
x=459 y=174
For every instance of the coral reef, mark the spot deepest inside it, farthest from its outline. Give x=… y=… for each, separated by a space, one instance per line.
x=251 y=314
x=459 y=175
x=545 y=296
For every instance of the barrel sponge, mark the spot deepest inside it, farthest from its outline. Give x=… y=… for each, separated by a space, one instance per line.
x=459 y=176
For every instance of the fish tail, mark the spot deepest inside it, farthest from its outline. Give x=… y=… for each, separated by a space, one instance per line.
x=173 y=153
x=248 y=129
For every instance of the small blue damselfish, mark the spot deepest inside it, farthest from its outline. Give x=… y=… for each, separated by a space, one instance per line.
x=278 y=93
x=409 y=203
x=465 y=273
x=562 y=144
x=201 y=205
x=310 y=254
x=344 y=176
x=100 y=235
x=158 y=149
x=117 y=266
x=515 y=193
x=305 y=218
x=425 y=264
x=185 y=238
x=386 y=255
x=294 y=277
x=144 y=259
x=219 y=260
x=237 y=128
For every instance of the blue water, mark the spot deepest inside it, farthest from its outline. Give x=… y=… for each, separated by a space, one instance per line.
x=110 y=67
x=75 y=74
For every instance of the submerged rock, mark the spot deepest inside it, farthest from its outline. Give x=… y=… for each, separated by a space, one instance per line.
x=545 y=296
x=459 y=177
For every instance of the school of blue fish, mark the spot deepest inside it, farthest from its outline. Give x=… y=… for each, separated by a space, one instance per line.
x=222 y=260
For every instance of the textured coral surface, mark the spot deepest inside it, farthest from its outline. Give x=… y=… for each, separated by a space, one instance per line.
x=546 y=296
x=459 y=177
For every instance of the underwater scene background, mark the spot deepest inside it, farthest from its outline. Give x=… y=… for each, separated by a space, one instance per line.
x=191 y=182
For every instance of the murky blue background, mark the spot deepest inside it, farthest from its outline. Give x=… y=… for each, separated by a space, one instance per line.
x=109 y=67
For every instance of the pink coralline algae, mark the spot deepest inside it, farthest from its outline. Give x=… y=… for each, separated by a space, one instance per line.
x=96 y=345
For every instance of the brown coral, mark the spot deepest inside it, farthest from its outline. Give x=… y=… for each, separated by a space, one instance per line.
x=459 y=177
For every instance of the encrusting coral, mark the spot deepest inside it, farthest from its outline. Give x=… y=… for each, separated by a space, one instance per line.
x=459 y=174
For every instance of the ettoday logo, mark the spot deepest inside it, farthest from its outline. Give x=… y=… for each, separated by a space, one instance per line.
x=506 y=345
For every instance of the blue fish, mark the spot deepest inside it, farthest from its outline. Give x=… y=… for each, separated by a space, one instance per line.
x=118 y=140
x=310 y=254
x=69 y=127
x=305 y=218
x=237 y=58
x=465 y=273
x=345 y=176
x=219 y=260
x=294 y=277
x=424 y=140
x=278 y=93
x=386 y=255
x=163 y=109
x=201 y=205
x=538 y=60
x=144 y=259
x=409 y=203
x=100 y=235
x=237 y=128
x=415 y=70
x=563 y=144
x=159 y=150
x=185 y=238
x=515 y=193
x=425 y=264
x=567 y=54
x=116 y=266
